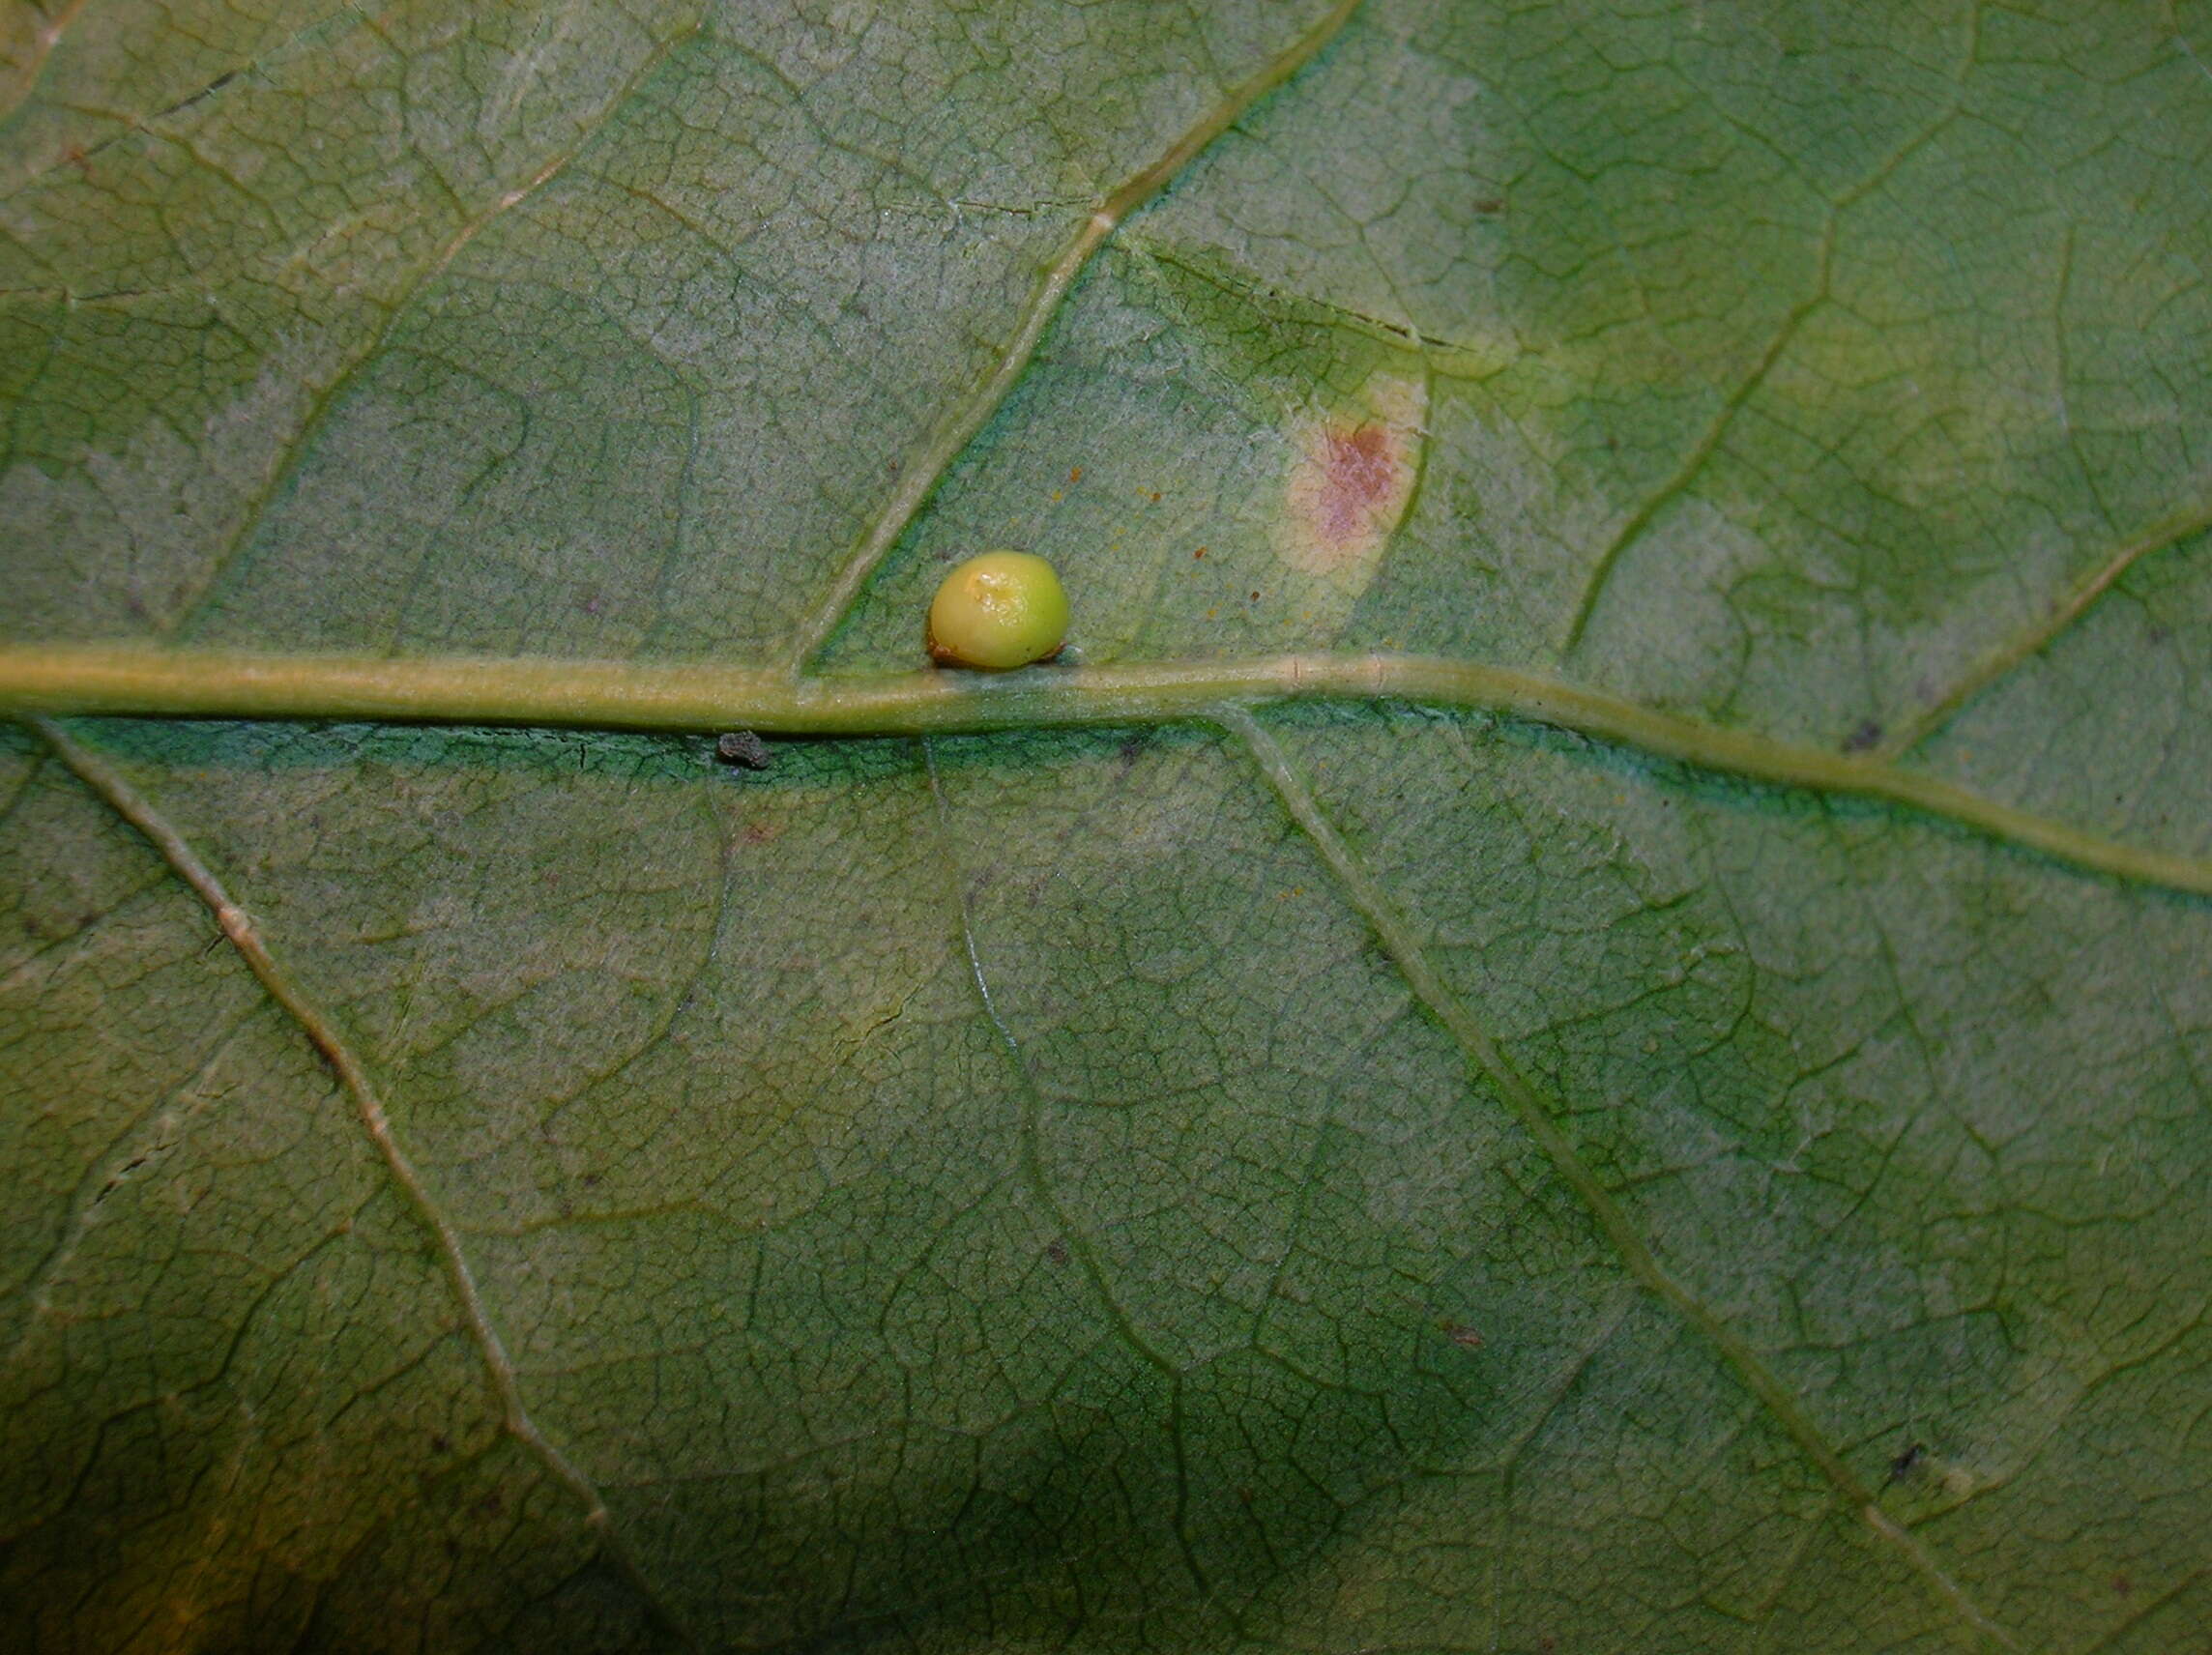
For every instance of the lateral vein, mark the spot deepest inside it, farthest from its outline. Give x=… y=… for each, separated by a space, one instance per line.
x=111 y=786
x=923 y=470
x=1404 y=945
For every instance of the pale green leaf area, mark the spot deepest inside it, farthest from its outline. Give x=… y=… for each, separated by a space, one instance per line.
x=1673 y=1115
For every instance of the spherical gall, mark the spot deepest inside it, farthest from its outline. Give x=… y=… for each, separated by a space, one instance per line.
x=1004 y=609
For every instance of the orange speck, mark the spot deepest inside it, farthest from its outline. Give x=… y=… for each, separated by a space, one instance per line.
x=1155 y=496
x=1075 y=473
x=1199 y=553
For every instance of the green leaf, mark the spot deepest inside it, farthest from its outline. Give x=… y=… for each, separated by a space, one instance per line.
x=1667 y=1110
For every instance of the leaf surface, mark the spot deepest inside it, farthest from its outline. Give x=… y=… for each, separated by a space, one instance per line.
x=1367 y=1174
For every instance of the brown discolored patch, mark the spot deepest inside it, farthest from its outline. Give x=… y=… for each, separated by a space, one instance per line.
x=1350 y=482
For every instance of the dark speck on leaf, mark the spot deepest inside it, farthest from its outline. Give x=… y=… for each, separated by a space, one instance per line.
x=1908 y=1462
x=2156 y=635
x=1865 y=738
x=743 y=747
x=1056 y=1252
x=440 y=1444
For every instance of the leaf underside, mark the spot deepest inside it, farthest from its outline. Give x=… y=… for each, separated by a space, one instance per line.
x=1355 y=1176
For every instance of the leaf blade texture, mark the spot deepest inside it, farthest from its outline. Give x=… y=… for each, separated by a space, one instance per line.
x=1371 y=1173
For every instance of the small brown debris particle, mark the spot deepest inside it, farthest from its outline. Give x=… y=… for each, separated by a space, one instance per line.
x=743 y=747
x=1056 y=1252
x=1075 y=473
x=1865 y=738
x=1199 y=553
x=1462 y=1335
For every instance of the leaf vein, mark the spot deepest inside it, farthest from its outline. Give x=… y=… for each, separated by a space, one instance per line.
x=924 y=470
x=1399 y=940
x=110 y=785
x=2014 y=652
x=93 y=678
x=293 y=453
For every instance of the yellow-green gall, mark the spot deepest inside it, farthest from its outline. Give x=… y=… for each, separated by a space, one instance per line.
x=1001 y=610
